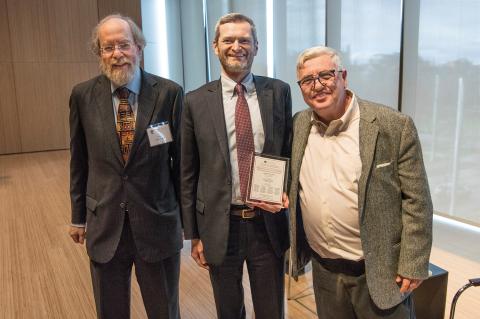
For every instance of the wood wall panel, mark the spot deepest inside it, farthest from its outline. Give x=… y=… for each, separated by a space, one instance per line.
x=28 y=30
x=45 y=52
x=70 y=25
x=125 y=7
x=5 y=52
x=9 y=120
x=44 y=90
x=52 y=30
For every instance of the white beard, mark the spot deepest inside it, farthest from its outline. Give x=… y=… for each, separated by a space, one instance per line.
x=119 y=77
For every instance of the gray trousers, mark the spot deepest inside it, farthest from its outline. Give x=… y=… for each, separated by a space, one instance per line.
x=158 y=282
x=248 y=243
x=340 y=296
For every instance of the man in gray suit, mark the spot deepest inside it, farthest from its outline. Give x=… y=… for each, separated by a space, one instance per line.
x=223 y=123
x=123 y=169
x=359 y=198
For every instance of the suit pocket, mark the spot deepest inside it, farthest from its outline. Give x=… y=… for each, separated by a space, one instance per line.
x=384 y=172
x=91 y=204
x=200 y=207
x=381 y=165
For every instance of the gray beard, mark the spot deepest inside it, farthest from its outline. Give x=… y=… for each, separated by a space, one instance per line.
x=238 y=67
x=119 y=77
x=235 y=67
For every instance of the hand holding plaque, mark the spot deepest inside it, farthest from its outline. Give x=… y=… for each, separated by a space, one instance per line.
x=268 y=179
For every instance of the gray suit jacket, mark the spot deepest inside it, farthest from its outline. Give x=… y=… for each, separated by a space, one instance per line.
x=395 y=208
x=206 y=181
x=101 y=186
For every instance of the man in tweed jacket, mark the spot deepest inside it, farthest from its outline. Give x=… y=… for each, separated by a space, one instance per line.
x=360 y=203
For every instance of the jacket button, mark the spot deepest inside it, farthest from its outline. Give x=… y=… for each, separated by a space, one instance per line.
x=125 y=177
x=122 y=205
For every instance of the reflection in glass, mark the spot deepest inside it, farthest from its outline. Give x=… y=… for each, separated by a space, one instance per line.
x=447 y=104
x=300 y=25
x=370 y=47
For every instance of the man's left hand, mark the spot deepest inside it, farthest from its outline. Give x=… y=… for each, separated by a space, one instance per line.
x=273 y=208
x=407 y=284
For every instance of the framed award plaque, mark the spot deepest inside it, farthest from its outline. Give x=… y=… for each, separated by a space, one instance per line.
x=268 y=178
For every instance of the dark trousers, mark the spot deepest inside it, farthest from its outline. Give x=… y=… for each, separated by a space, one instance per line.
x=158 y=282
x=248 y=242
x=345 y=296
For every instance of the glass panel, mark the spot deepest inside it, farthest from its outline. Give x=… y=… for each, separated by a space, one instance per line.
x=370 y=47
x=298 y=25
x=446 y=104
x=161 y=26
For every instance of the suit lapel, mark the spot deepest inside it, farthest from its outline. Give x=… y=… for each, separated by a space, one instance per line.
x=214 y=102
x=265 y=102
x=302 y=127
x=368 y=140
x=146 y=105
x=103 y=98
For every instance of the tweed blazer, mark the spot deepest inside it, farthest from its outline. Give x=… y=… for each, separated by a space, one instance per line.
x=395 y=208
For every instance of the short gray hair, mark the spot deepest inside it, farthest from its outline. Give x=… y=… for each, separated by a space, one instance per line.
x=235 y=17
x=317 y=51
x=137 y=33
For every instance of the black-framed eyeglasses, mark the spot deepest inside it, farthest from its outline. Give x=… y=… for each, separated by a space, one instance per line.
x=122 y=47
x=324 y=77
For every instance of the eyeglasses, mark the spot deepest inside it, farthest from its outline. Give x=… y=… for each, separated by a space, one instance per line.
x=324 y=77
x=122 y=47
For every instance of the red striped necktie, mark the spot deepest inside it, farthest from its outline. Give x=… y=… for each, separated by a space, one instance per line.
x=244 y=136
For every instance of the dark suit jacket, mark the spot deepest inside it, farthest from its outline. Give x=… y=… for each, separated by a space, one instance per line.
x=206 y=181
x=101 y=185
x=395 y=207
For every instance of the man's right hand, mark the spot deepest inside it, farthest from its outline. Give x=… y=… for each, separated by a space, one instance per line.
x=197 y=253
x=77 y=234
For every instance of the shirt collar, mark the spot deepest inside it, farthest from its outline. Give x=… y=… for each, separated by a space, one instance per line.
x=341 y=124
x=134 y=85
x=228 y=85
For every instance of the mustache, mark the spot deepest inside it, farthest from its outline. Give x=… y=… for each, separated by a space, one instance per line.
x=323 y=89
x=120 y=61
x=320 y=91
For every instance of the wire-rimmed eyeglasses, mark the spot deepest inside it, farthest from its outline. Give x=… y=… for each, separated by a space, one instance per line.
x=122 y=47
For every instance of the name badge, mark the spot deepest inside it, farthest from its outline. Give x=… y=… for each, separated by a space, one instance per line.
x=159 y=134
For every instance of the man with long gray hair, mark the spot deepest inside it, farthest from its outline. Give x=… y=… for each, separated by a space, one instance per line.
x=123 y=169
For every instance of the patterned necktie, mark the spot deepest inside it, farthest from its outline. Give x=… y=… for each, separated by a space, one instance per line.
x=125 y=122
x=244 y=135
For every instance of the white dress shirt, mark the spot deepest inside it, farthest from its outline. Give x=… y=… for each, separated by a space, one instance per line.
x=329 y=175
